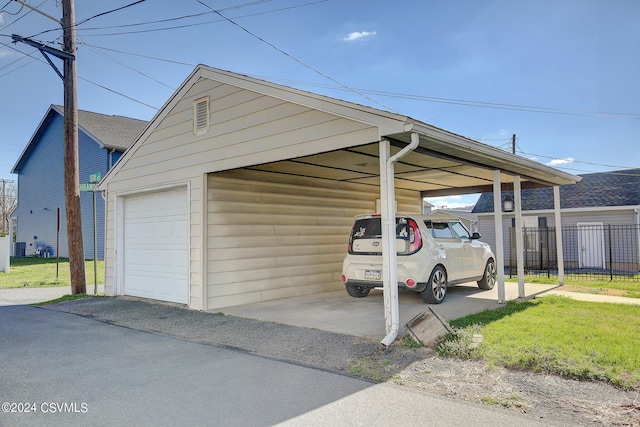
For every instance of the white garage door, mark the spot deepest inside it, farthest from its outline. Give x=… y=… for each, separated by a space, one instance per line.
x=156 y=246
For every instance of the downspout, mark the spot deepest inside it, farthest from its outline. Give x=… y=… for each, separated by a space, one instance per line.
x=389 y=253
x=113 y=150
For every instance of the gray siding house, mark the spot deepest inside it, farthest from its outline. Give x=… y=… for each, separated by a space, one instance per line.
x=588 y=210
x=40 y=168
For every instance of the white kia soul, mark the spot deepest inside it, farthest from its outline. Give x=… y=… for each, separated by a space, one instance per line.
x=433 y=253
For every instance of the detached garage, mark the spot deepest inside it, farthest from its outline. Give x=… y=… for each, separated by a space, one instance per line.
x=241 y=190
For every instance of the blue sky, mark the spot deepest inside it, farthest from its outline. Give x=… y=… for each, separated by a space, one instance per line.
x=560 y=74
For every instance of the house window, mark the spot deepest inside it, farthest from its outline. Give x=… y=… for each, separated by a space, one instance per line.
x=201 y=116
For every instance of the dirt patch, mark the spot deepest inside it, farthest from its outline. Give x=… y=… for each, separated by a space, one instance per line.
x=543 y=397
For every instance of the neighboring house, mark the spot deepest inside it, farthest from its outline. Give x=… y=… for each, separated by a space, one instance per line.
x=40 y=168
x=587 y=208
x=242 y=190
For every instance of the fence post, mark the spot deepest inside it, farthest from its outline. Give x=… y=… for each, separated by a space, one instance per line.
x=610 y=254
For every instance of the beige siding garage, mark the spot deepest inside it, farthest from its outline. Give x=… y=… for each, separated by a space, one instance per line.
x=245 y=127
x=273 y=236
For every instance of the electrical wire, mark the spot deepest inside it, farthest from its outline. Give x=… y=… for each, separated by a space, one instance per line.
x=104 y=55
x=20 y=17
x=194 y=15
x=120 y=33
x=5 y=11
x=153 y=107
x=109 y=11
x=170 y=61
x=584 y=163
x=341 y=86
x=294 y=58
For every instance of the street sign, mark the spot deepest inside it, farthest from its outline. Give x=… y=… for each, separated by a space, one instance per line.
x=94 y=177
x=88 y=186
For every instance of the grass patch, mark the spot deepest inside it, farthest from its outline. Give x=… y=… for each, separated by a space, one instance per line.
x=409 y=342
x=557 y=335
x=366 y=368
x=64 y=298
x=37 y=272
x=600 y=286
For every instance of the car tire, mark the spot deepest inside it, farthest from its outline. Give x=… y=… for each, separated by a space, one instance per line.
x=488 y=280
x=357 y=291
x=436 y=287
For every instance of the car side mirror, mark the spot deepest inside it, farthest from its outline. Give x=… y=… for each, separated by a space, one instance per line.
x=475 y=236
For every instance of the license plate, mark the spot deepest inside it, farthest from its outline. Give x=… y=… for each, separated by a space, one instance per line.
x=372 y=274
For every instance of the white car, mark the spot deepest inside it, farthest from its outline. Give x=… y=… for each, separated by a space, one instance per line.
x=433 y=253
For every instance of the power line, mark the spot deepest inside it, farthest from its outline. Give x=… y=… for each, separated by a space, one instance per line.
x=178 y=18
x=128 y=67
x=293 y=57
x=483 y=104
x=584 y=163
x=109 y=11
x=143 y=56
x=189 y=16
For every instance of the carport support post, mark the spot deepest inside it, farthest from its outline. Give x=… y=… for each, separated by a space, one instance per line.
x=389 y=256
x=558 y=220
x=517 y=201
x=497 y=211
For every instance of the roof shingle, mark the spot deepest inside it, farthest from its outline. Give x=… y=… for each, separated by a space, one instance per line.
x=603 y=189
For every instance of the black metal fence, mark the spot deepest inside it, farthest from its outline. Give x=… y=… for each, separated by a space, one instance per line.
x=590 y=251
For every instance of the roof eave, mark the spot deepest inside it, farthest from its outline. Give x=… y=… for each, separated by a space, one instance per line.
x=433 y=138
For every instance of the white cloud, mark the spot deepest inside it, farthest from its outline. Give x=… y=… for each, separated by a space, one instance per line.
x=558 y=162
x=359 y=35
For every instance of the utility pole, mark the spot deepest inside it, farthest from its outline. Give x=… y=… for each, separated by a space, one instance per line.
x=513 y=144
x=71 y=163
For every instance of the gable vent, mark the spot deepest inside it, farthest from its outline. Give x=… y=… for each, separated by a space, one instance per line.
x=201 y=116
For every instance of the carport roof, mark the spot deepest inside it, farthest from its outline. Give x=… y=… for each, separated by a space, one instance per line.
x=443 y=164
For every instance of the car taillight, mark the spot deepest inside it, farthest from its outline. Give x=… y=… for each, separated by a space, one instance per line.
x=344 y=279
x=415 y=238
x=410 y=283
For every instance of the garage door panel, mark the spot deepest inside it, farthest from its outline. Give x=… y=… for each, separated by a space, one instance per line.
x=156 y=261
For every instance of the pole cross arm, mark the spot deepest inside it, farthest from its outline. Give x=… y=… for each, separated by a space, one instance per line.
x=44 y=49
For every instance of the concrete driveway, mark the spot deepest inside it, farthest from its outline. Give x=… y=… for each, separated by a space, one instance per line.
x=338 y=312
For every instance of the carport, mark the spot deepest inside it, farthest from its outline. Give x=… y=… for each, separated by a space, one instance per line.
x=435 y=163
x=242 y=191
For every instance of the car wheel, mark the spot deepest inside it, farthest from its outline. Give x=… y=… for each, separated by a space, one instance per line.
x=489 y=279
x=436 y=287
x=357 y=291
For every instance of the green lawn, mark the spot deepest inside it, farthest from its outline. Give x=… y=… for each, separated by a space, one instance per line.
x=604 y=286
x=557 y=335
x=37 y=272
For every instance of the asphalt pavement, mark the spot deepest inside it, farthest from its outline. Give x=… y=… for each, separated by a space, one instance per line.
x=65 y=369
